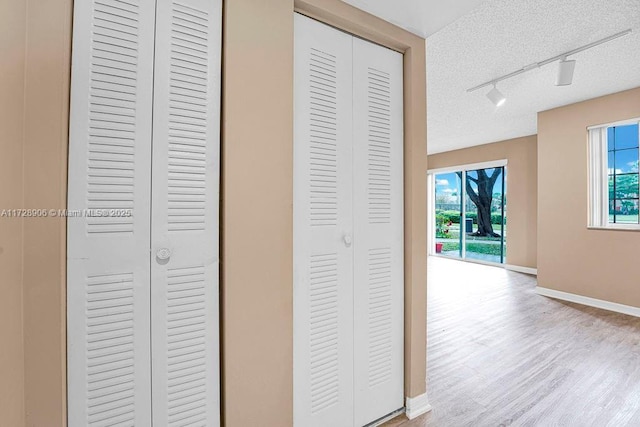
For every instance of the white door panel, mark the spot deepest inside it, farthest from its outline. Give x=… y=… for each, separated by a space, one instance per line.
x=378 y=231
x=184 y=221
x=323 y=263
x=108 y=254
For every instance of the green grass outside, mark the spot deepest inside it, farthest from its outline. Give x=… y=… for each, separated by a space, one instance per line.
x=454 y=233
x=477 y=248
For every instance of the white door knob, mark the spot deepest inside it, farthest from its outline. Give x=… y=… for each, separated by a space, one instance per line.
x=347 y=239
x=163 y=254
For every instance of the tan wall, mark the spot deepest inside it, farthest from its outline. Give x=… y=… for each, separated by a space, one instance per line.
x=600 y=264
x=45 y=186
x=522 y=190
x=257 y=216
x=12 y=46
x=35 y=69
x=257 y=283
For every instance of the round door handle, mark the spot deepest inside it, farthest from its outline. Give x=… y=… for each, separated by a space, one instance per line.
x=347 y=239
x=163 y=254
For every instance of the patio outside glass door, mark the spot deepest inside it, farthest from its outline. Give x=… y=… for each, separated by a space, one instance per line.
x=470 y=214
x=449 y=197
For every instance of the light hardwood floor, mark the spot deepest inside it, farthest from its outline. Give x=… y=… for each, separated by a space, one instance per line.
x=501 y=355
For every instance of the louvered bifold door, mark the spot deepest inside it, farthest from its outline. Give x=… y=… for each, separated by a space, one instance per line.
x=322 y=209
x=378 y=235
x=185 y=198
x=108 y=230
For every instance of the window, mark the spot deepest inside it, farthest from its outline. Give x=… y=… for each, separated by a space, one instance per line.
x=613 y=169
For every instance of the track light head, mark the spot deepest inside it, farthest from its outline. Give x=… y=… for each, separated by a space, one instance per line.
x=496 y=97
x=565 y=72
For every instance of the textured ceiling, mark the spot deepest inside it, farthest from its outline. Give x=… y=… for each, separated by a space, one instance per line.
x=421 y=17
x=501 y=36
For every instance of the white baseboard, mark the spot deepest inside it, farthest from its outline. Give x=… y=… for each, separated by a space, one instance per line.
x=525 y=270
x=416 y=406
x=591 y=302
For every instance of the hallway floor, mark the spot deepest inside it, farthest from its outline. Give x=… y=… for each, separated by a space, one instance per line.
x=499 y=355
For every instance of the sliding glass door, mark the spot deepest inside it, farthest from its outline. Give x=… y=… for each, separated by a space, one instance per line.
x=470 y=214
x=448 y=238
x=484 y=200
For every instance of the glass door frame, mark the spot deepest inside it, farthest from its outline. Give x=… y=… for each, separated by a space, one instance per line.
x=431 y=211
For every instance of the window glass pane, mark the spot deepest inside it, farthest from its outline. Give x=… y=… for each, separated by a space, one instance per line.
x=611 y=139
x=484 y=232
x=626 y=161
x=623 y=177
x=611 y=189
x=626 y=137
x=626 y=211
x=448 y=212
x=611 y=162
x=626 y=186
x=612 y=211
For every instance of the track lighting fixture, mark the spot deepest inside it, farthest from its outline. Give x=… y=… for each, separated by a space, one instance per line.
x=496 y=97
x=565 y=72
x=565 y=69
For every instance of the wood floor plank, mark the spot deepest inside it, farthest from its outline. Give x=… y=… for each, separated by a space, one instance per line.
x=499 y=354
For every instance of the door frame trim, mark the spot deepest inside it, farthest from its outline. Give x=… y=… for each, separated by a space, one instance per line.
x=469 y=167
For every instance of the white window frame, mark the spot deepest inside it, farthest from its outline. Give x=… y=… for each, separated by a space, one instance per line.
x=597 y=149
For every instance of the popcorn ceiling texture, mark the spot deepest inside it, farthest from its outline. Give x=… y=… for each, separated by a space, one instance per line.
x=501 y=36
x=421 y=17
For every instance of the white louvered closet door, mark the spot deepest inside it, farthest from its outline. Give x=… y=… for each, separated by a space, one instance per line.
x=348 y=228
x=184 y=221
x=142 y=290
x=108 y=256
x=378 y=231
x=323 y=261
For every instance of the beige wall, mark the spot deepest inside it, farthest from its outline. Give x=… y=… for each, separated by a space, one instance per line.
x=12 y=46
x=600 y=264
x=522 y=192
x=257 y=284
x=45 y=186
x=35 y=69
x=257 y=273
